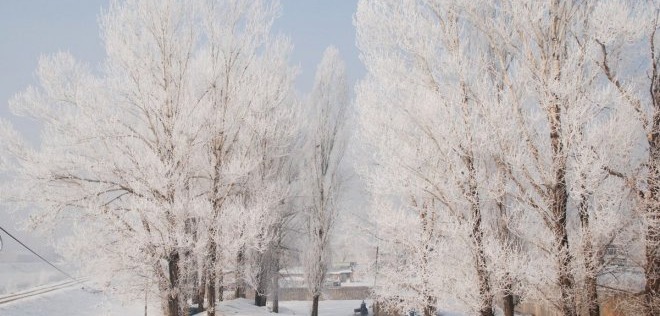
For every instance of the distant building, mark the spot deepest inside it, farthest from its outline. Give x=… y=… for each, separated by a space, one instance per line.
x=339 y=273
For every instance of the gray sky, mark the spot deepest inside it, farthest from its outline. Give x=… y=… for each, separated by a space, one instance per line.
x=32 y=28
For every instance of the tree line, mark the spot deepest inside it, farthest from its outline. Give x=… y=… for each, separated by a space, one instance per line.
x=513 y=153
x=510 y=148
x=186 y=162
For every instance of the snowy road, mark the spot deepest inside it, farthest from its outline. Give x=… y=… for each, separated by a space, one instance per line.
x=71 y=301
x=4 y=299
x=76 y=301
x=244 y=307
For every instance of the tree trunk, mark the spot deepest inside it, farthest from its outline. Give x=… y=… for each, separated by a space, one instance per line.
x=276 y=303
x=652 y=270
x=210 y=295
x=559 y=202
x=565 y=278
x=592 y=296
x=315 y=305
x=201 y=291
x=482 y=273
x=429 y=308
x=260 y=298
x=483 y=278
x=199 y=284
x=211 y=279
x=146 y=300
x=173 y=306
x=276 y=284
x=652 y=253
x=506 y=241
x=221 y=288
x=276 y=294
x=507 y=304
x=195 y=290
x=240 y=290
x=591 y=283
x=195 y=278
x=240 y=286
x=559 y=195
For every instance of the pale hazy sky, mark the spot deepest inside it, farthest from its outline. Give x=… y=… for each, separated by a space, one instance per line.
x=31 y=28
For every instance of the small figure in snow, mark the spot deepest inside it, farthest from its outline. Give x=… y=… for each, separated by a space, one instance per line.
x=363 y=309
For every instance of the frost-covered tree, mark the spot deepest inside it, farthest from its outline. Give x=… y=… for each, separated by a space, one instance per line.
x=116 y=148
x=571 y=125
x=272 y=180
x=423 y=106
x=326 y=143
x=150 y=159
x=628 y=57
x=476 y=106
x=249 y=129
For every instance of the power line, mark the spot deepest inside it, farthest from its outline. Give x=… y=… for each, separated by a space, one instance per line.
x=36 y=254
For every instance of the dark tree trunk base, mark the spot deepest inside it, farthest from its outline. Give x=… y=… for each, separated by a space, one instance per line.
x=507 y=304
x=260 y=299
x=173 y=307
x=315 y=305
x=210 y=295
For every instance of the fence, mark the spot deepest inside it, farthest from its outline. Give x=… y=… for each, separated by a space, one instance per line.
x=608 y=308
x=612 y=306
x=536 y=310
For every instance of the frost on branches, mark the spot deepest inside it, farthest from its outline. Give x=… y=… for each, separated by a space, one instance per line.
x=508 y=152
x=513 y=153
x=325 y=146
x=166 y=161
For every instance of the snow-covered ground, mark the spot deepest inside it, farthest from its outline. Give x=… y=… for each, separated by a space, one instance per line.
x=78 y=301
x=73 y=301
x=17 y=276
x=244 y=307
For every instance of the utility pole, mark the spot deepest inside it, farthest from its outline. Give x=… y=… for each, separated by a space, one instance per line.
x=374 y=306
x=146 y=292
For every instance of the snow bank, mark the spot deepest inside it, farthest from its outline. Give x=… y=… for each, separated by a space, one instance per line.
x=245 y=307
